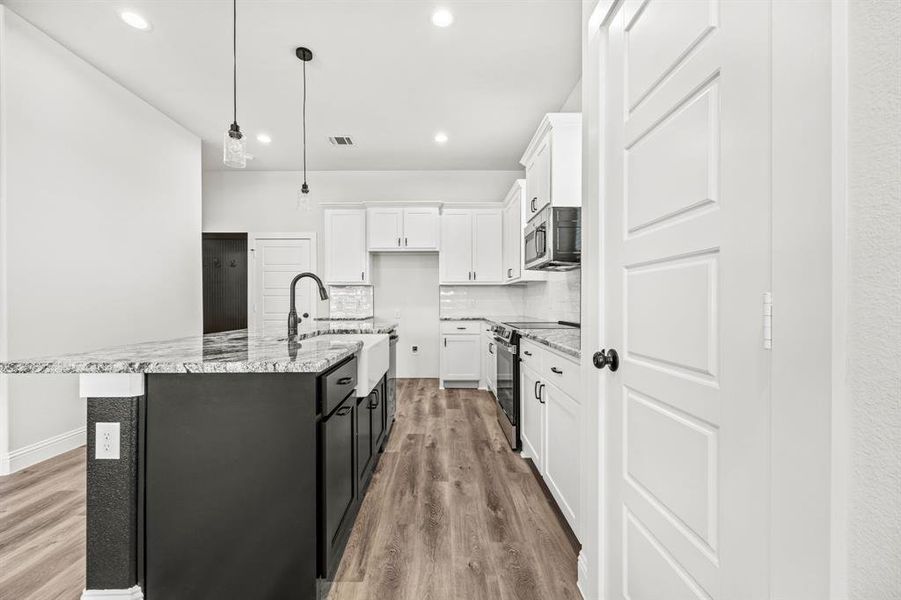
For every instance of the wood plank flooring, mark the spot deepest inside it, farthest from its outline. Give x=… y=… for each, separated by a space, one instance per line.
x=453 y=513
x=42 y=530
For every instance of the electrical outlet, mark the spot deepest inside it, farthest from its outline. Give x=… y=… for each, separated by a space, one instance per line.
x=106 y=441
x=415 y=349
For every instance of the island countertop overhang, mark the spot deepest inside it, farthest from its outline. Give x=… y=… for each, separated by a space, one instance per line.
x=236 y=351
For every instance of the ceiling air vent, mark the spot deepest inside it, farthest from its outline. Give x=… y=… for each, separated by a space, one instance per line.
x=341 y=140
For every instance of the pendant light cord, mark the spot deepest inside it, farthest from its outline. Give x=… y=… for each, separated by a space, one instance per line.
x=235 y=58
x=304 y=121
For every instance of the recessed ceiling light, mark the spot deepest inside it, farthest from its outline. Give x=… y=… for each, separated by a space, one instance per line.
x=135 y=20
x=442 y=17
x=264 y=139
x=441 y=137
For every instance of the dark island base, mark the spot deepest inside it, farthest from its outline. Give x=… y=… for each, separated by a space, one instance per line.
x=229 y=485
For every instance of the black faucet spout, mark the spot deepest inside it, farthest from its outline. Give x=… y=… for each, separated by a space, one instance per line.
x=293 y=320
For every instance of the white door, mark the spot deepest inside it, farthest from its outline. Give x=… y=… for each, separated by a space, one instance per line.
x=685 y=164
x=455 y=258
x=562 y=463
x=275 y=262
x=460 y=358
x=421 y=231
x=346 y=254
x=532 y=418
x=487 y=247
x=386 y=228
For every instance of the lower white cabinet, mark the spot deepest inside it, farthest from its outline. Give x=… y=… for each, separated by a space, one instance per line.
x=550 y=432
x=561 y=450
x=531 y=417
x=461 y=357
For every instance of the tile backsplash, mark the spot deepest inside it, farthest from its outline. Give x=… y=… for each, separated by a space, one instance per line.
x=557 y=299
x=350 y=301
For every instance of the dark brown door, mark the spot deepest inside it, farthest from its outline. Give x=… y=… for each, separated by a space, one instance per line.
x=224 y=281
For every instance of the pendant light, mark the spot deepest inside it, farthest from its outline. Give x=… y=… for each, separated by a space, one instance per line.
x=233 y=148
x=305 y=55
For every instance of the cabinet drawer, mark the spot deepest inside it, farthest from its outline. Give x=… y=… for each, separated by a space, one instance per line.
x=461 y=327
x=562 y=373
x=530 y=354
x=336 y=385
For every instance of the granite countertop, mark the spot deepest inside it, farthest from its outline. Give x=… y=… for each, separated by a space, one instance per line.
x=567 y=340
x=226 y=352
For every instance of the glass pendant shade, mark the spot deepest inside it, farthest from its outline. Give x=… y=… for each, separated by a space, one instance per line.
x=233 y=149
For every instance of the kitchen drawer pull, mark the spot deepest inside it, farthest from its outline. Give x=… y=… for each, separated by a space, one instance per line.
x=461 y=328
x=537 y=383
x=345 y=380
x=556 y=370
x=373 y=405
x=540 y=389
x=527 y=353
x=343 y=411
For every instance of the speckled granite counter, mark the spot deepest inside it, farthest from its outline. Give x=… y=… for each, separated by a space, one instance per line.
x=226 y=352
x=568 y=341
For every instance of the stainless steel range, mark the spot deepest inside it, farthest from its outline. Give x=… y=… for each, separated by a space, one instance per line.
x=506 y=338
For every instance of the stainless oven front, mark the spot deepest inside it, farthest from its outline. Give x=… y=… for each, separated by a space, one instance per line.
x=507 y=358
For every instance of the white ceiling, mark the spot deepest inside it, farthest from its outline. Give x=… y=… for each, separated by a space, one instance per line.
x=382 y=73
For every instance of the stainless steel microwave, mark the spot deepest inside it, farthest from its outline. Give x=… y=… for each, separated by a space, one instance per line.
x=553 y=239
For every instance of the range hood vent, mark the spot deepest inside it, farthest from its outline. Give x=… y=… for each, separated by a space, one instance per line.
x=341 y=140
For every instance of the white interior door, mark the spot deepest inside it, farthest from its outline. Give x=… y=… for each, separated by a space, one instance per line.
x=685 y=153
x=276 y=260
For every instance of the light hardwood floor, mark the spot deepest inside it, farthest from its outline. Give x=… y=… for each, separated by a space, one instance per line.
x=42 y=520
x=451 y=514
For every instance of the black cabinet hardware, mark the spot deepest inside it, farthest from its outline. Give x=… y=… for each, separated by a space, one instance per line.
x=534 y=200
x=345 y=380
x=362 y=275
x=445 y=342
x=556 y=370
x=537 y=383
x=461 y=328
x=405 y=241
x=527 y=353
x=606 y=358
x=541 y=399
x=398 y=242
x=343 y=411
x=509 y=273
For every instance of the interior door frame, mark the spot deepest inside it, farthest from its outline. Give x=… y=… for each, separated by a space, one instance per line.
x=252 y=238
x=791 y=248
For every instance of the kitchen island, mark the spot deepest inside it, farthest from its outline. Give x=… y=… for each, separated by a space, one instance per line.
x=208 y=461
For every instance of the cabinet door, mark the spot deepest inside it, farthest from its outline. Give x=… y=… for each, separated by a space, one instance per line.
x=562 y=457
x=513 y=240
x=492 y=366
x=421 y=231
x=346 y=255
x=376 y=405
x=538 y=179
x=337 y=469
x=460 y=357
x=364 y=442
x=531 y=419
x=487 y=247
x=455 y=258
x=386 y=228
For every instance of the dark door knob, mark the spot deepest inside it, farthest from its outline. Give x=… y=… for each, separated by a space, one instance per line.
x=606 y=358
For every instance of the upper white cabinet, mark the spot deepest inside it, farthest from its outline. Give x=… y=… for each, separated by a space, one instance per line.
x=515 y=218
x=399 y=229
x=553 y=162
x=346 y=256
x=472 y=246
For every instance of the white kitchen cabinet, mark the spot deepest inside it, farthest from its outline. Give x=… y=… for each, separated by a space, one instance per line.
x=403 y=229
x=561 y=450
x=421 y=230
x=346 y=255
x=514 y=214
x=472 y=247
x=460 y=357
x=491 y=364
x=550 y=431
x=553 y=162
x=386 y=228
x=531 y=418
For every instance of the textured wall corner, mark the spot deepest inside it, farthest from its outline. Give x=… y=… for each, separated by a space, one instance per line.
x=874 y=298
x=112 y=499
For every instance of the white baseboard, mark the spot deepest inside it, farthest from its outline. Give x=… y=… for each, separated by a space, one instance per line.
x=582 y=575
x=40 y=451
x=134 y=593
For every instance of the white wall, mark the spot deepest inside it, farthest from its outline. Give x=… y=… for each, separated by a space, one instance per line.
x=406 y=290
x=100 y=212
x=874 y=300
